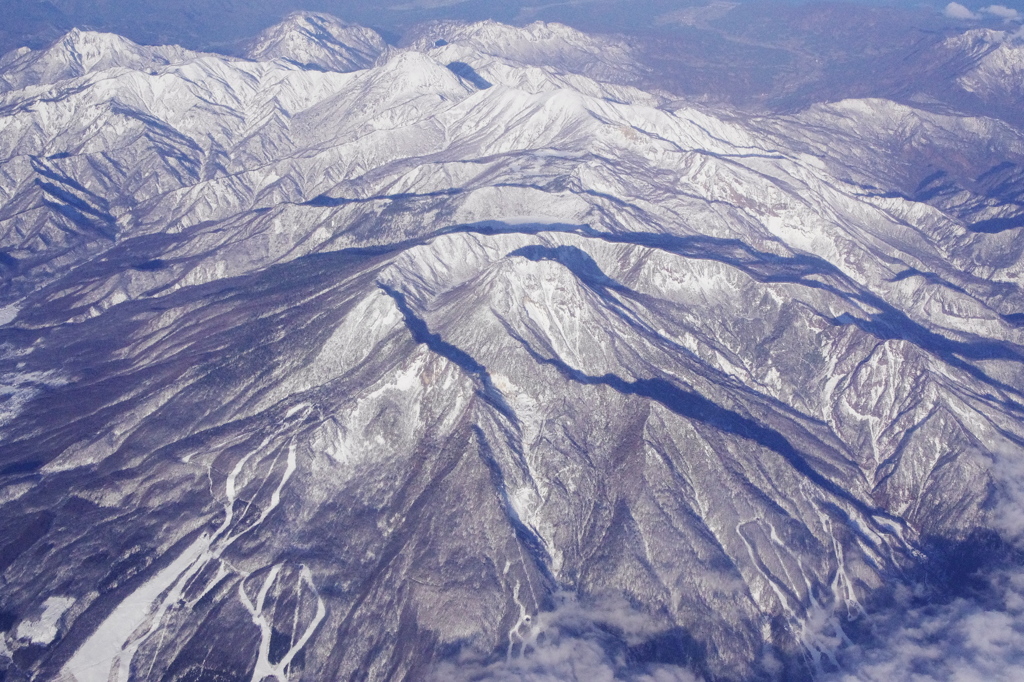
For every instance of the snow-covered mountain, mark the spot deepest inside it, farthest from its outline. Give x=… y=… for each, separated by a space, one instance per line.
x=79 y=53
x=318 y=40
x=996 y=72
x=480 y=362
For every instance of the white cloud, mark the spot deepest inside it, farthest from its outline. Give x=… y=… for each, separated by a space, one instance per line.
x=1002 y=11
x=924 y=633
x=961 y=641
x=955 y=10
x=1008 y=477
x=569 y=644
x=928 y=635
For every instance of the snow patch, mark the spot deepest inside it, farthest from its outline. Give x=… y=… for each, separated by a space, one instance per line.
x=8 y=313
x=43 y=630
x=100 y=658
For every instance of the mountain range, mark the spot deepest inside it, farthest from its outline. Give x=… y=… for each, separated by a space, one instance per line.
x=490 y=354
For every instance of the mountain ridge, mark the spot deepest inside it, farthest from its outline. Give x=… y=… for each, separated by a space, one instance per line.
x=386 y=375
x=320 y=40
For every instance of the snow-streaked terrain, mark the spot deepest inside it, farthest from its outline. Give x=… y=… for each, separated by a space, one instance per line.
x=318 y=40
x=349 y=361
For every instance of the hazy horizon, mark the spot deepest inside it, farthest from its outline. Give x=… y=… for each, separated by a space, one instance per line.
x=219 y=24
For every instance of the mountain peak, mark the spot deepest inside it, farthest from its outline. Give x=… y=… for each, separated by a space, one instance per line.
x=92 y=46
x=545 y=45
x=79 y=52
x=318 y=40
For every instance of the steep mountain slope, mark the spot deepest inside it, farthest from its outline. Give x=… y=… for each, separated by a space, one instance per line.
x=318 y=40
x=79 y=53
x=996 y=72
x=391 y=375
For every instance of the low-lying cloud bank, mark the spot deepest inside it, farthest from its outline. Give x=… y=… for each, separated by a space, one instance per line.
x=961 y=619
x=963 y=640
x=574 y=643
x=964 y=622
x=976 y=638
